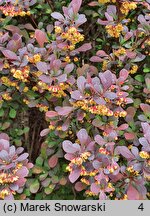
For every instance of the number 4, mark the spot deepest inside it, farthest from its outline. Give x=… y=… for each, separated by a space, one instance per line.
x=141 y=207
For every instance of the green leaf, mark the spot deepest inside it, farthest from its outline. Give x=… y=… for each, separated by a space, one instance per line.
x=20 y=132
x=5 y=125
x=18 y=142
x=146 y=70
x=26 y=130
x=34 y=187
x=139 y=78
x=12 y=113
x=48 y=190
x=2 y=112
x=39 y=161
x=27 y=192
x=52 y=143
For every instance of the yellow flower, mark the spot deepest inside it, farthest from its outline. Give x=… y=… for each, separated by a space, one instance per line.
x=25 y=89
x=120 y=52
x=67 y=59
x=6 y=96
x=114 y=31
x=76 y=59
x=106 y=1
x=104 y=66
x=4 y=193
x=85 y=181
x=58 y=29
x=37 y=58
x=90 y=193
x=134 y=69
x=127 y=6
x=51 y=127
x=144 y=155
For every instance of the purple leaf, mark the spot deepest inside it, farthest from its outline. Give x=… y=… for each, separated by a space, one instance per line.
x=69 y=156
x=123 y=75
x=23 y=172
x=141 y=19
x=101 y=53
x=79 y=186
x=45 y=79
x=76 y=95
x=110 y=95
x=99 y=140
x=69 y=68
x=132 y=193
x=74 y=175
x=29 y=27
x=12 y=151
x=19 y=150
x=102 y=22
x=145 y=108
x=44 y=132
x=111 y=10
x=62 y=78
x=96 y=59
x=145 y=144
x=51 y=114
x=106 y=79
x=4 y=155
x=80 y=115
x=56 y=64
x=93 y=3
x=97 y=164
x=81 y=19
x=64 y=111
x=109 y=17
x=95 y=188
x=69 y=147
x=129 y=136
x=135 y=151
x=4 y=136
x=52 y=162
x=76 y=4
x=102 y=195
x=40 y=37
x=42 y=66
x=58 y=16
x=4 y=38
x=131 y=54
x=123 y=127
x=84 y=47
x=125 y=152
x=23 y=157
x=81 y=81
x=10 y=55
x=4 y=144
x=13 y=29
x=82 y=136
x=66 y=125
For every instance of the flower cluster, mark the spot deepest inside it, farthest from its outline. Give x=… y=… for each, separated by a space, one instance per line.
x=14 y=167
x=16 y=8
x=106 y=1
x=72 y=36
x=114 y=30
x=11 y=11
x=127 y=6
x=21 y=74
x=97 y=110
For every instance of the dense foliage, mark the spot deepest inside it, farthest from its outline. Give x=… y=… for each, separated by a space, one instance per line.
x=75 y=95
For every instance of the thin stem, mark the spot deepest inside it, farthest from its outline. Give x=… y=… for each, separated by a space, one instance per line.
x=51 y=4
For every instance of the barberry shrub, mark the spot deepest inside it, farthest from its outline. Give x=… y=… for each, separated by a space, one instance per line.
x=88 y=74
x=14 y=167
